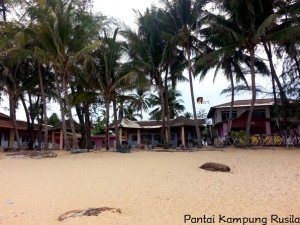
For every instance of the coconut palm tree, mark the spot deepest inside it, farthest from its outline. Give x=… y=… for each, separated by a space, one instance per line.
x=146 y=49
x=234 y=62
x=131 y=114
x=183 y=16
x=111 y=76
x=246 y=22
x=139 y=101
x=175 y=105
x=13 y=63
x=67 y=35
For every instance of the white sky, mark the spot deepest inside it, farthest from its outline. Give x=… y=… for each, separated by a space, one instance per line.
x=123 y=10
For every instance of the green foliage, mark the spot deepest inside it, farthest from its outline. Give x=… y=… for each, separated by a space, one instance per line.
x=99 y=127
x=54 y=120
x=188 y=115
x=175 y=104
x=241 y=135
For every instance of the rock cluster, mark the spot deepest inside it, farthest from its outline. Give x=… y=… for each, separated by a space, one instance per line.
x=215 y=167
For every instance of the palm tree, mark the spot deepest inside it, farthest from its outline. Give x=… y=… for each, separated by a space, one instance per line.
x=111 y=76
x=246 y=24
x=139 y=101
x=131 y=114
x=183 y=17
x=188 y=115
x=145 y=49
x=234 y=63
x=66 y=36
x=175 y=105
x=12 y=61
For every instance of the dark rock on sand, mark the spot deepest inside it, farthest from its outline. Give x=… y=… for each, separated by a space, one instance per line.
x=215 y=167
x=87 y=212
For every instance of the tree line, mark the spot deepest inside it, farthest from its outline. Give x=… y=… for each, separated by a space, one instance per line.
x=59 y=49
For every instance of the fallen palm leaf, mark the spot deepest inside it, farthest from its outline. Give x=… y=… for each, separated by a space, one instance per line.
x=87 y=212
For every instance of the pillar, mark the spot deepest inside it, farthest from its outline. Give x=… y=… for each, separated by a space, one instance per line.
x=120 y=135
x=182 y=135
x=268 y=128
x=138 y=136
x=11 y=143
x=61 y=141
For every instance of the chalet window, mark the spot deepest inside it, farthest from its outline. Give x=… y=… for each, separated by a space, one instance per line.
x=225 y=115
x=193 y=136
x=172 y=136
x=134 y=138
x=259 y=113
x=146 y=138
x=156 y=138
x=25 y=139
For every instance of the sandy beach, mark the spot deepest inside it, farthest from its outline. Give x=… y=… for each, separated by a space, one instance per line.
x=150 y=188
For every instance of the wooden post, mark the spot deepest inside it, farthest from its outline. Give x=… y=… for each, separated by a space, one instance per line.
x=138 y=136
x=182 y=136
x=120 y=135
x=61 y=139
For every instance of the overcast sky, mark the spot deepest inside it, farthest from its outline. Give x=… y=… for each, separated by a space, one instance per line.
x=123 y=10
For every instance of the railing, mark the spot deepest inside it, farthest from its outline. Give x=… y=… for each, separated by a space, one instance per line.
x=25 y=145
x=264 y=140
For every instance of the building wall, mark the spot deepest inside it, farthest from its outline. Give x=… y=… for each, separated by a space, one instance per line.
x=218 y=112
x=99 y=142
x=4 y=138
x=153 y=136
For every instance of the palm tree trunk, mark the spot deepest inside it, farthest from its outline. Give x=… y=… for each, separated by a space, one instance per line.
x=283 y=97
x=69 y=112
x=19 y=145
x=163 y=112
x=32 y=114
x=87 y=125
x=253 y=84
x=40 y=134
x=79 y=112
x=167 y=107
x=29 y=125
x=273 y=74
x=199 y=144
x=63 y=121
x=121 y=110
x=44 y=108
x=116 y=124
x=107 y=102
x=267 y=47
x=231 y=104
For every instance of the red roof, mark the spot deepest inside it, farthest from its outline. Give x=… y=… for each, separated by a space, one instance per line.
x=179 y=121
x=10 y=125
x=3 y=116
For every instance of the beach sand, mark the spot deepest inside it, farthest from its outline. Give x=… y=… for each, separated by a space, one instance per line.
x=150 y=188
